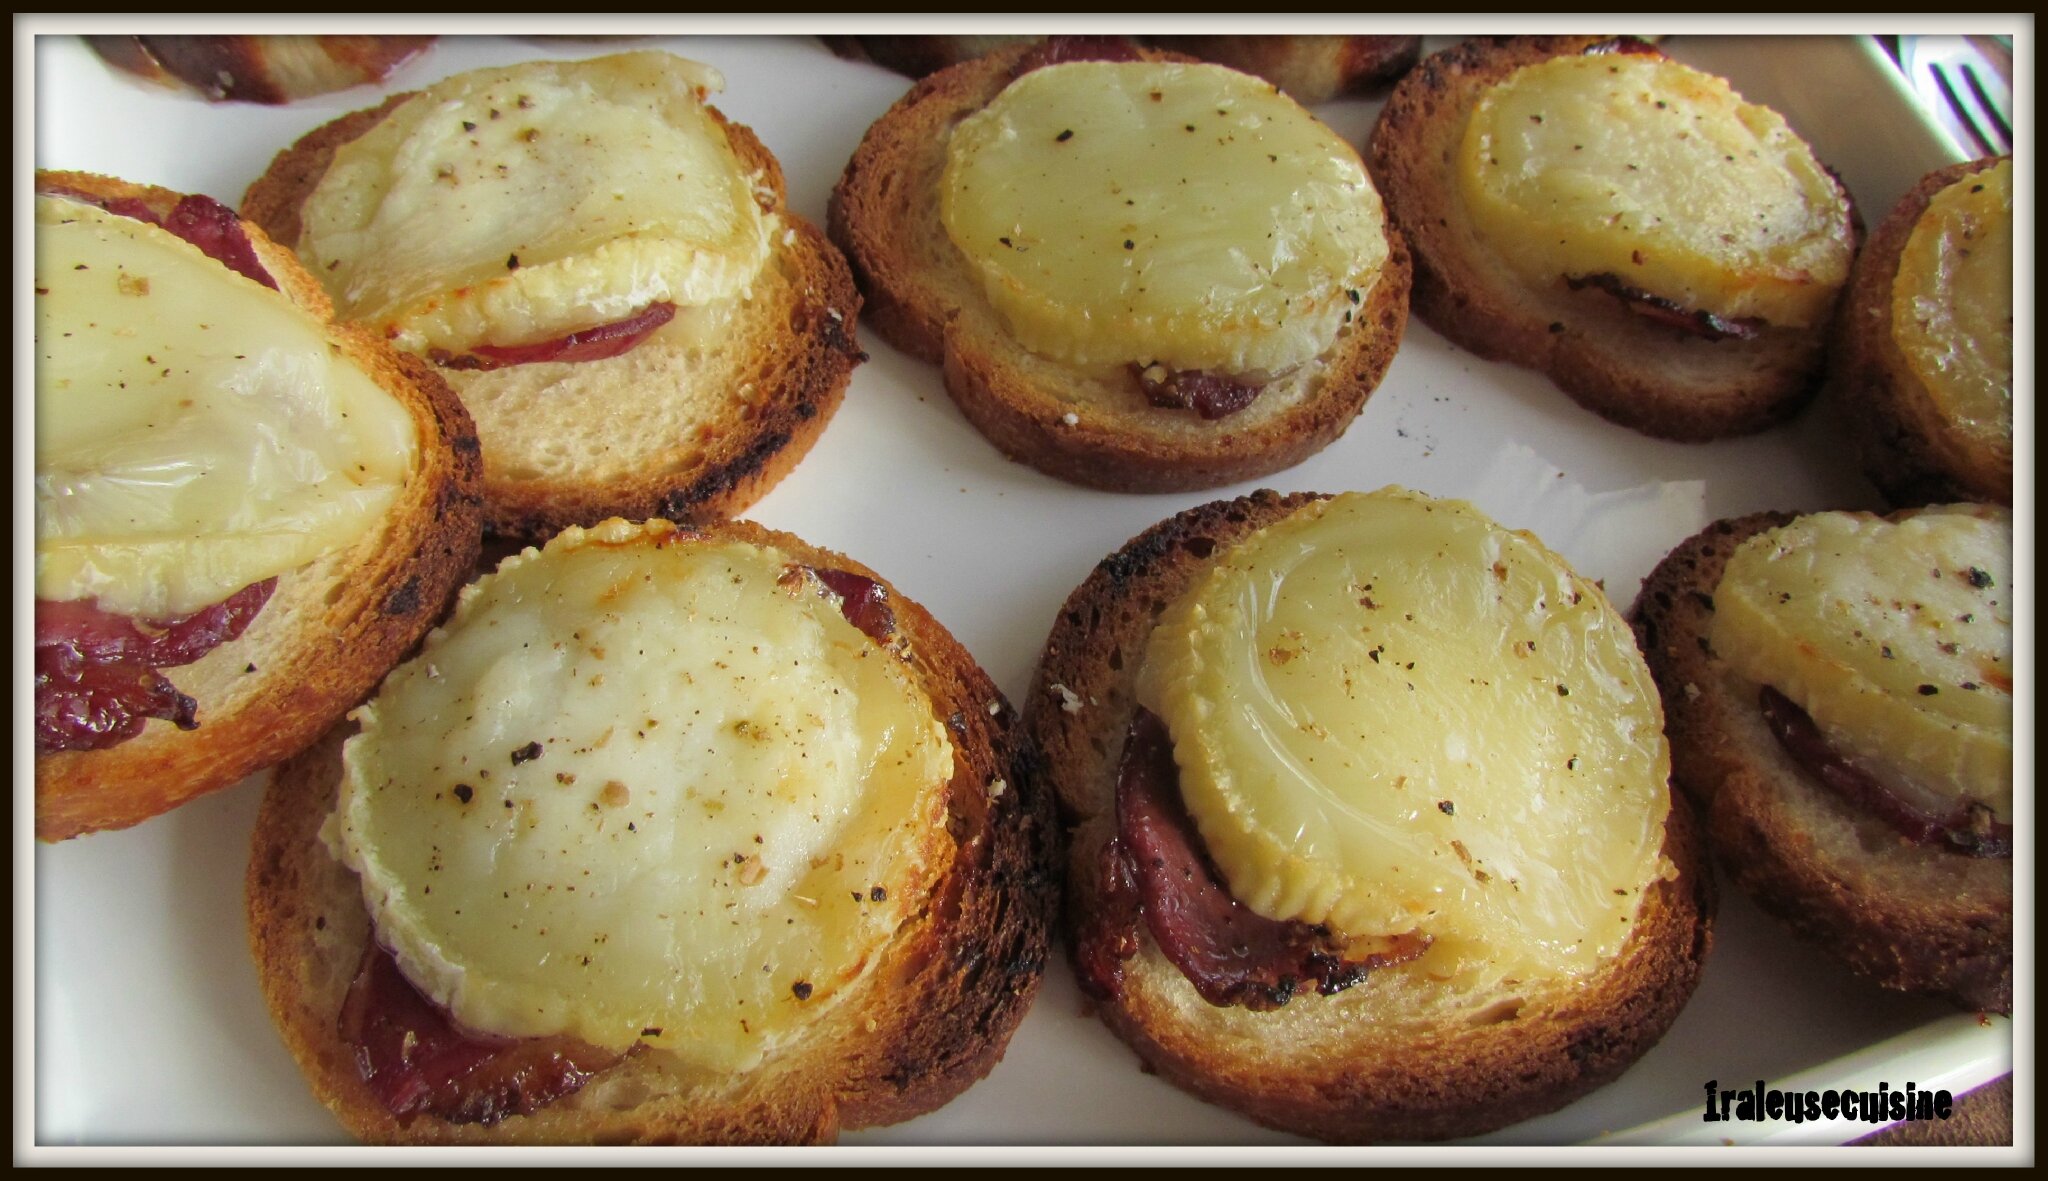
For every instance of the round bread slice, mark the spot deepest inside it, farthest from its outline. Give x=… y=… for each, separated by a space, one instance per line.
x=1389 y=1059
x=1626 y=367
x=1913 y=451
x=1312 y=69
x=331 y=628
x=931 y=1016
x=684 y=427
x=1078 y=424
x=1910 y=917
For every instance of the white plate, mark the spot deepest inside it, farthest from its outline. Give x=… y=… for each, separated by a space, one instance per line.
x=147 y=1027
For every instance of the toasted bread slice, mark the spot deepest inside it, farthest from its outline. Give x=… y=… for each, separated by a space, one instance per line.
x=1311 y=68
x=1626 y=367
x=1089 y=425
x=928 y=1019
x=1912 y=449
x=687 y=426
x=329 y=630
x=1393 y=1057
x=1910 y=917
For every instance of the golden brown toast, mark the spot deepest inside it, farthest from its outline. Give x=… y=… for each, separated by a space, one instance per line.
x=329 y=631
x=1391 y=1058
x=1081 y=424
x=932 y=1018
x=688 y=427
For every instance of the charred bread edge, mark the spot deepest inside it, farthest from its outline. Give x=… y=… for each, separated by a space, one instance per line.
x=330 y=630
x=1754 y=798
x=953 y=986
x=809 y=377
x=1908 y=450
x=1642 y=376
x=1477 y=1077
x=878 y=218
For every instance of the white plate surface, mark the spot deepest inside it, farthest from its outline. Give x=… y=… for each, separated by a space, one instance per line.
x=146 y=1024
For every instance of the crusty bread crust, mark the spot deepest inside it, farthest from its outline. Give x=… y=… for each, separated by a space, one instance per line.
x=719 y=417
x=1621 y=366
x=1387 y=1059
x=1909 y=450
x=329 y=631
x=1907 y=916
x=1311 y=69
x=931 y=1020
x=1088 y=425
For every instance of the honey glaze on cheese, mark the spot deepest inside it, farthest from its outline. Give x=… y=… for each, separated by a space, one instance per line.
x=645 y=789
x=1391 y=715
x=1895 y=637
x=1137 y=212
x=1635 y=166
x=1952 y=303
x=195 y=431
x=516 y=205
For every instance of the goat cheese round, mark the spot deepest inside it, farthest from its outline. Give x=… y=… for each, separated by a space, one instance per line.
x=1140 y=212
x=645 y=788
x=1391 y=715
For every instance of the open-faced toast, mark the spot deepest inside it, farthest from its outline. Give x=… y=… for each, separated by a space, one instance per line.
x=765 y=859
x=1805 y=817
x=675 y=359
x=1665 y=253
x=1133 y=340
x=245 y=513
x=1377 y=1039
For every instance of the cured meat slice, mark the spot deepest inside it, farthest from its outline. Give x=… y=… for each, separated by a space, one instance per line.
x=96 y=673
x=1233 y=956
x=591 y=344
x=863 y=601
x=419 y=1062
x=200 y=220
x=1971 y=830
x=1211 y=395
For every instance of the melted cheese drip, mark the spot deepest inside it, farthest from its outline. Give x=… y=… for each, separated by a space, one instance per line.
x=195 y=432
x=512 y=206
x=1141 y=212
x=735 y=801
x=1952 y=303
x=1895 y=637
x=1392 y=715
x=1662 y=176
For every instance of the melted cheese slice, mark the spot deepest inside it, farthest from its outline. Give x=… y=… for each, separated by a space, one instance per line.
x=1952 y=303
x=1895 y=637
x=1662 y=176
x=512 y=206
x=195 y=432
x=645 y=789
x=1141 y=212
x=1390 y=715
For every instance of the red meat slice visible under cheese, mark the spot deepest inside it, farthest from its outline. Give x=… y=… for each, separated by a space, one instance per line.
x=202 y=221
x=1211 y=395
x=419 y=1062
x=1155 y=867
x=591 y=344
x=1971 y=830
x=96 y=673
